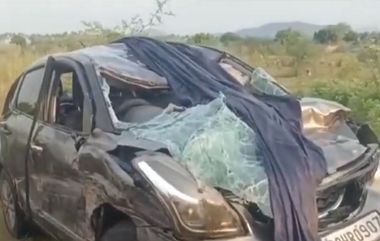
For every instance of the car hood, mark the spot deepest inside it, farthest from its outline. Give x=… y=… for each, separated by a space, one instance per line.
x=325 y=124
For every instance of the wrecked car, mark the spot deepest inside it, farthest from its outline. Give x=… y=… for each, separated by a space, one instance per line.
x=97 y=144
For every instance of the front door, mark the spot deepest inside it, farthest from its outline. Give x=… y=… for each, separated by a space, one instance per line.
x=54 y=148
x=59 y=186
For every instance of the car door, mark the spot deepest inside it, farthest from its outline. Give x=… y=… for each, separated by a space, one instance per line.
x=16 y=126
x=54 y=147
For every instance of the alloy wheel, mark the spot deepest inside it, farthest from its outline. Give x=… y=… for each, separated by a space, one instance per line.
x=8 y=205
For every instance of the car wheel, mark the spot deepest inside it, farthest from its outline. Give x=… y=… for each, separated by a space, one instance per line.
x=122 y=231
x=13 y=217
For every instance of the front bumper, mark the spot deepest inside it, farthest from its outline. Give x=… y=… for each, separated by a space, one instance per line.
x=151 y=234
x=371 y=203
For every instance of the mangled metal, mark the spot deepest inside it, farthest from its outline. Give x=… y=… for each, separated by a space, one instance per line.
x=115 y=62
x=320 y=113
x=325 y=123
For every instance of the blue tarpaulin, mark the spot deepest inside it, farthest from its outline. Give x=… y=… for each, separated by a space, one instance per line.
x=294 y=165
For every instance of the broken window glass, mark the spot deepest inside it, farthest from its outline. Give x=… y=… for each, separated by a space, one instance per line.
x=216 y=146
x=264 y=83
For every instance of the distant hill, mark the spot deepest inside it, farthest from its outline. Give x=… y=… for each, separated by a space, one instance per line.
x=370 y=28
x=269 y=30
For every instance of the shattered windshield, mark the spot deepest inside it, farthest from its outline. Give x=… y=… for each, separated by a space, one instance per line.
x=263 y=82
x=256 y=80
x=210 y=140
x=216 y=146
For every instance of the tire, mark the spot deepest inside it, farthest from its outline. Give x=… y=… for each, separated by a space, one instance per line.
x=122 y=231
x=13 y=217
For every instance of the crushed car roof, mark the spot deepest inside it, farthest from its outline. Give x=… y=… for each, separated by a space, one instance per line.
x=116 y=61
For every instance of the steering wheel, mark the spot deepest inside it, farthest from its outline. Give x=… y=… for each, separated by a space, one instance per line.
x=67 y=106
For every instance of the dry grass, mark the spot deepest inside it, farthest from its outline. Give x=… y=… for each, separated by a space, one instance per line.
x=12 y=62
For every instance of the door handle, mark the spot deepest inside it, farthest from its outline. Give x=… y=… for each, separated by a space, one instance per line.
x=5 y=129
x=36 y=149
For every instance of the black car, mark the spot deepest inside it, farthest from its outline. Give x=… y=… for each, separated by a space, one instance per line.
x=84 y=156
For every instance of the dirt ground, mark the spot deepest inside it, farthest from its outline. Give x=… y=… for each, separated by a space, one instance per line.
x=377 y=182
x=5 y=237
x=3 y=231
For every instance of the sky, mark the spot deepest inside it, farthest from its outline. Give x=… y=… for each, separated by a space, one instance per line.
x=191 y=16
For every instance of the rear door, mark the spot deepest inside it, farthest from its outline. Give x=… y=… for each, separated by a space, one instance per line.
x=16 y=126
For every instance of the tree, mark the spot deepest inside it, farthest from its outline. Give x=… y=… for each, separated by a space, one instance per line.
x=230 y=37
x=18 y=40
x=135 y=25
x=326 y=35
x=287 y=36
x=370 y=37
x=351 y=36
x=341 y=29
x=333 y=33
x=296 y=46
x=202 y=38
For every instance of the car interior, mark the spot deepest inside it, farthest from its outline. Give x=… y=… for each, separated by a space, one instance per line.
x=67 y=99
x=136 y=104
x=133 y=105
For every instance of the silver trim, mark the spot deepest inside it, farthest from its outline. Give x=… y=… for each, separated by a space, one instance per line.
x=333 y=207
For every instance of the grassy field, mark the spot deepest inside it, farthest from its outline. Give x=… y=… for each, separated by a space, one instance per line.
x=12 y=62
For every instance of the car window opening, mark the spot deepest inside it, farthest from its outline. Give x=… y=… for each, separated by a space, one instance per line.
x=136 y=100
x=133 y=103
x=140 y=105
x=67 y=99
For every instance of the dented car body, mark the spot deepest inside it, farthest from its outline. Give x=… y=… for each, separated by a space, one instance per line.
x=92 y=140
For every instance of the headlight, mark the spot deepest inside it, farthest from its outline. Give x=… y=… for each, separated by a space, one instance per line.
x=199 y=211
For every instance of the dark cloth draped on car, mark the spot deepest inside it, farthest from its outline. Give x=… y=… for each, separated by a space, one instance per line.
x=294 y=165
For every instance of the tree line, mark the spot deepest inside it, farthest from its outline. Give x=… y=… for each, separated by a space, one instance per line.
x=331 y=34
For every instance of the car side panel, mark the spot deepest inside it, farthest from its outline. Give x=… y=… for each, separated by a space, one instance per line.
x=14 y=149
x=60 y=186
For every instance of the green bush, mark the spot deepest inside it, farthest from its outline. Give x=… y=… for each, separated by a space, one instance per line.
x=363 y=99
